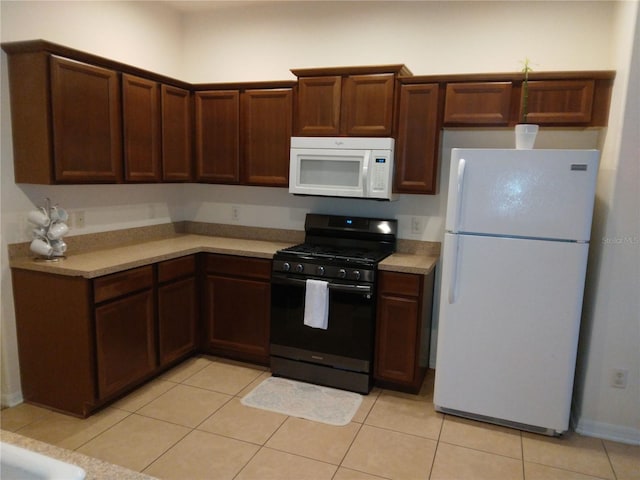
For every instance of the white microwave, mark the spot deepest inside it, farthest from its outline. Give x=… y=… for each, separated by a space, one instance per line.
x=357 y=167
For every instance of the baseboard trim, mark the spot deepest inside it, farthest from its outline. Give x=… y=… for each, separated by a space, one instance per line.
x=11 y=399
x=608 y=431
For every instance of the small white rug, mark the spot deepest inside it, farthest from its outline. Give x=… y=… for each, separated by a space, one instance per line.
x=298 y=399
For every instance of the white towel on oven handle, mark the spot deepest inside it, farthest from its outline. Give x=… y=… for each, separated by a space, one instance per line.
x=316 y=304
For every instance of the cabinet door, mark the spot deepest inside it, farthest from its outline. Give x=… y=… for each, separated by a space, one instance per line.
x=367 y=105
x=125 y=345
x=397 y=337
x=238 y=312
x=416 y=169
x=218 y=136
x=141 y=120
x=318 y=111
x=176 y=134
x=177 y=319
x=266 y=130
x=560 y=102
x=478 y=103
x=86 y=123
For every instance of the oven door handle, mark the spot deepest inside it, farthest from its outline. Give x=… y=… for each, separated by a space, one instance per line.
x=366 y=289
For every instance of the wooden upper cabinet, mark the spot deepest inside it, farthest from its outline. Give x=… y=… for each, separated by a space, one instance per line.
x=417 y=145
x=267 y=123
x=87 y=140
x=367 y=105
x=477 y=103
x=217 y=136
x=142 y=129
x=346 y=101
x=560 y=102
x=319 y=105
x=176 y=134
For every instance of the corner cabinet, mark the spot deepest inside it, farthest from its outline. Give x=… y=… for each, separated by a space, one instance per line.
x=403 y=329
x=237 y=304
x=351 y=101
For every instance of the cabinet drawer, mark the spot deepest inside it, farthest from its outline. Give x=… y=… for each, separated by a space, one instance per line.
x=239 y=266
x=118 y=284
x=400 y=283
x=176 y=268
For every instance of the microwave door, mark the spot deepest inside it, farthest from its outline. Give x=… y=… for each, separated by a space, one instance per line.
x=332 y=173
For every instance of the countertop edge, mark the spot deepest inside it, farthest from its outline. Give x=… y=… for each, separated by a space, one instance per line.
x=94 y=467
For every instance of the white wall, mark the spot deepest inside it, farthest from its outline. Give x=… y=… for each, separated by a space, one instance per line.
x=610 y=336
x=264 y=41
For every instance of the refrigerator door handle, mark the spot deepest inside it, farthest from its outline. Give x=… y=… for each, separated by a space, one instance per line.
x=460 y=183
x=453 y=278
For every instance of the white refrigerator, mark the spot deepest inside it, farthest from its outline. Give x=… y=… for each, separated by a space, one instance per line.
x=513 y=269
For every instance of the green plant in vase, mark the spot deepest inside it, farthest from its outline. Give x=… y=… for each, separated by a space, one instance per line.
x=525 y=133
x=525 y=90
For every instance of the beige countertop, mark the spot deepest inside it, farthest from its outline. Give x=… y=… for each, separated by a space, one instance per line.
x=95 y=469
x=111 y=260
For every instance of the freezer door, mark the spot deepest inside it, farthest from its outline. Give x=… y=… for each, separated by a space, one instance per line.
x=525 y=193
x=508 y=329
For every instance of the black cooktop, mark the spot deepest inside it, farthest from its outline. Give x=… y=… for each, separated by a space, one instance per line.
x=329 y=252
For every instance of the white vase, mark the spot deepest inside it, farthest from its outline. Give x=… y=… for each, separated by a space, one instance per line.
x=526 y=136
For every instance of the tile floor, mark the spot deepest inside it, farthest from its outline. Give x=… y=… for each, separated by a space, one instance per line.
x=189 y=424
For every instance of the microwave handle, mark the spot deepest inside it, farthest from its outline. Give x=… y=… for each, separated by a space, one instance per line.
x=365 y=173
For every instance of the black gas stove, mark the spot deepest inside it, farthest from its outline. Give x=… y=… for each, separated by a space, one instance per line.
x=343 y=252
x=339 y=247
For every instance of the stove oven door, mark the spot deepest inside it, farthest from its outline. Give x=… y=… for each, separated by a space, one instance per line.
x=348 y=341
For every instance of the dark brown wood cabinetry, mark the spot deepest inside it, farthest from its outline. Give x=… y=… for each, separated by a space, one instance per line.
x=177 y=309
x=353 y=101
x=66 y=120
x=417 y=146
x=243 y=135
x=267 y=117
x=560 y=102
x=478 y=103
x=403 y=329
x=142 y=129
x=85 y=104
x=125 y=329
x=217 y=136
x=237 y=299
x=176 y=134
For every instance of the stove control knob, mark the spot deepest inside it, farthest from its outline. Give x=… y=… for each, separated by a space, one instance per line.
x=356 y=274
x=342 y=273
x=299 y=268
x=286 y=267
x=320 y=271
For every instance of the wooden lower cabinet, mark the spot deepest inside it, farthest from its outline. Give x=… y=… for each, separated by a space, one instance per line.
x=403 y=330
x=177 y=309
x=237 y=301
x=125 y=346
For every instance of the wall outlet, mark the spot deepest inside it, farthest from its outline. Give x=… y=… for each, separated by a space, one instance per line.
x=619 y=377
x=235 y=213
x=416 y=225
x=78 y=219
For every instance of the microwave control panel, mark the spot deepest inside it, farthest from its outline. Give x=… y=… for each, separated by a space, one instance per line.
x=380 y=173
